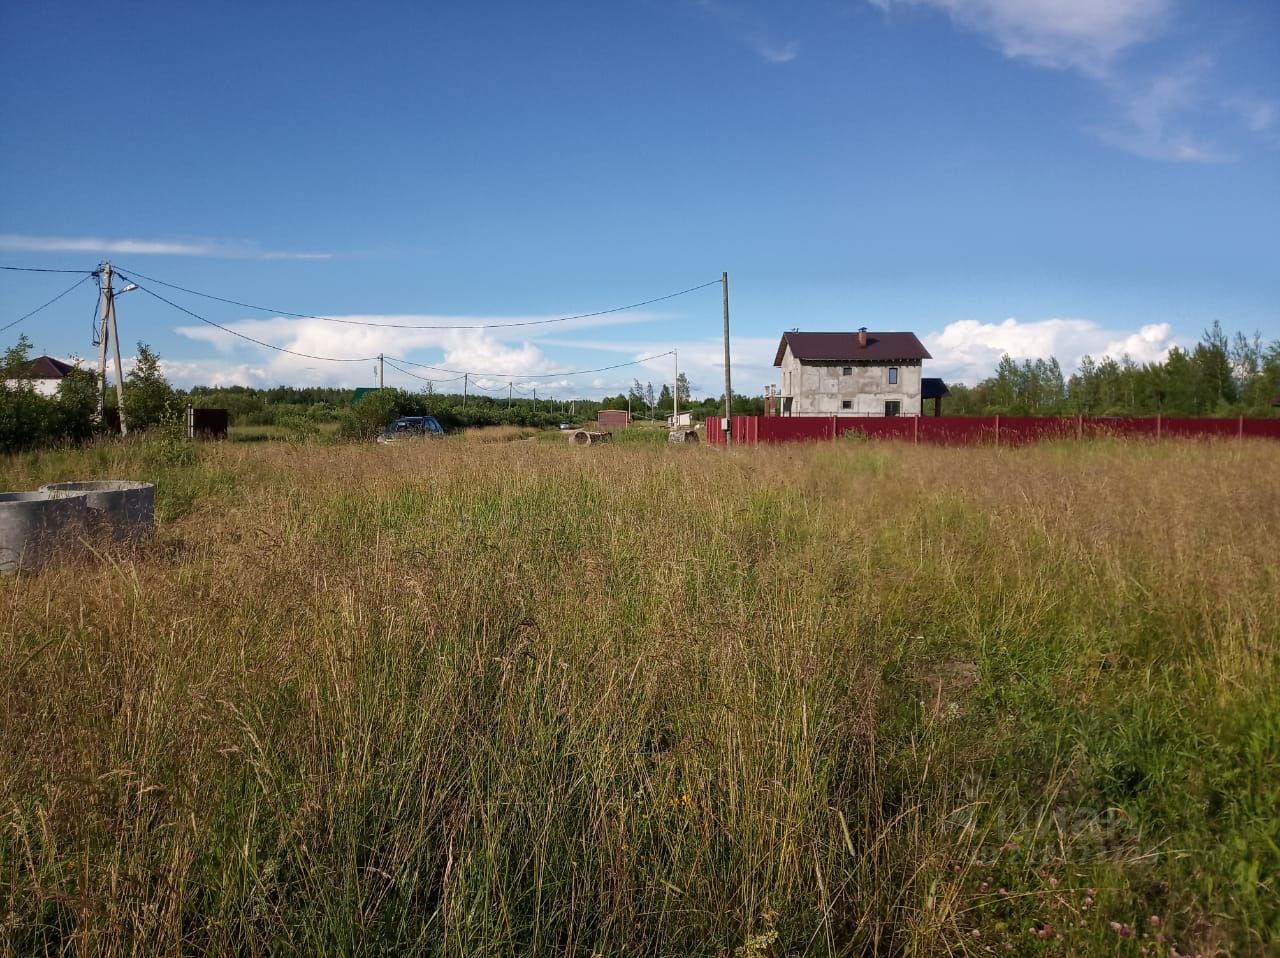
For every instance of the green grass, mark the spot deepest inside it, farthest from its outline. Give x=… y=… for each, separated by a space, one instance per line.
x=278 y=433
x=529 y=698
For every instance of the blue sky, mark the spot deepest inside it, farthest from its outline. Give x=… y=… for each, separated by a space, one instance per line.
x=1032 y=176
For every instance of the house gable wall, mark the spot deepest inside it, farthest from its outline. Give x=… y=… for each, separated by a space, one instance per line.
x=821 y=389
x=44 y=387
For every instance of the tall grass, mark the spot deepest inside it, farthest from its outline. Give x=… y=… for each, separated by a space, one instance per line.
x=526 y=698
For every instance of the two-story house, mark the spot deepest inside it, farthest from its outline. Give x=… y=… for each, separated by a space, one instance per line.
x=850 y=374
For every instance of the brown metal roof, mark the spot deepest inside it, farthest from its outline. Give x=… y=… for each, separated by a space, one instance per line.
x=843 y=347
x=42 y=367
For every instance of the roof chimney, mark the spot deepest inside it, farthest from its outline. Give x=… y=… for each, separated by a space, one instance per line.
x=862 y=338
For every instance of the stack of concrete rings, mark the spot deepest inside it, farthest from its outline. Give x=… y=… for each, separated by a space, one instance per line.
x=61 y=519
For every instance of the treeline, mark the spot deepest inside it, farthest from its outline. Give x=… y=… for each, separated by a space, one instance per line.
x=294 y=407
x=30 y=420
x=287 y=405
x=1220 y=376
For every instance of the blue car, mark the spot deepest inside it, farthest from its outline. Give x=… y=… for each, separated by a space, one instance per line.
x=412 y=427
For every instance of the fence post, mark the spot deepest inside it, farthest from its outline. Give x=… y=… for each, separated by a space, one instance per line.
x=997 y=431
x=1159 y=424
x=915 y=431
x=1079 y=425
x=833 y=428
x=1240 y=427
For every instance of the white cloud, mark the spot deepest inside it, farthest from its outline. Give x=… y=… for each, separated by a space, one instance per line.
x=216 y=249
x=773 y=52
x=495 y=357
x=1151 y=117
x=1153 y=111
x=463 y=349
x=968 y=350
x=751 y=30
x=1085 y=35
x=1259 y=115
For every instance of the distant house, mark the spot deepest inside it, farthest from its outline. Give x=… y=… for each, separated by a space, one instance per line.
x=850 y=374
x=44 y=374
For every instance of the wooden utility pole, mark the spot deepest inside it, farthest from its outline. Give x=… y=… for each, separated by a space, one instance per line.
x=464 y=389
x=675 y=390
x=109 y=333
x=728 y=385
x=103 y=332
x=115 y=348
x=510 y=386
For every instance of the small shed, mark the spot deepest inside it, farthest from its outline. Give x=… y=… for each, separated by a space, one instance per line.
x=607 y=419
x=207 y=423
x=933 y=388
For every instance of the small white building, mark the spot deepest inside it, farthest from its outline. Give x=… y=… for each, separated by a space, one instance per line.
x=850 y=374
x=44 y=374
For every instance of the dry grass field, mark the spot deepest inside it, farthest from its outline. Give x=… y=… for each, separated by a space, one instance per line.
x=518 y=698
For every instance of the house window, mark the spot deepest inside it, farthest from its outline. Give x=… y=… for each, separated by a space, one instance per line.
x=846 y=404
x=893 y=375
x=893 y=408
x=847 y=371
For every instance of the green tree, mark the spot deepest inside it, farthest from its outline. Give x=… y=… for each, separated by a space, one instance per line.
x=614 y=402
x=371 y=415
x=148 y=397
x=664 y=399
x=23 y=411
x=76 y=410
x=28 y=419
x=1215 y=385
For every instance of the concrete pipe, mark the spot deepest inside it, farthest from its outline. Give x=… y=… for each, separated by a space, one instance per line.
x=35 y=528
x=124 y=511
x=580 y=437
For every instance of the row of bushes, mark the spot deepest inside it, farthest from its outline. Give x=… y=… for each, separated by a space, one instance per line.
x=368 y=417
x=31 y=420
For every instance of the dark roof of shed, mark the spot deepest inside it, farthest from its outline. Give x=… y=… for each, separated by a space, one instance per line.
x=933 y=388
x=843 y=347
x=42 y=367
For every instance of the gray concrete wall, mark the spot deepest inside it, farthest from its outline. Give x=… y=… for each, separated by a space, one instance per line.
x=822 y=390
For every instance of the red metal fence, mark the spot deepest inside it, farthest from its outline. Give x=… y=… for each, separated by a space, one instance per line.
x=975 y=430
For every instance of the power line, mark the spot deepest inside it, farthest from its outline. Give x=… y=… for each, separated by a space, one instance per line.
x=73 y=286
x=34 y=269
x=356 y=322
x=408 y=362
x=258 y=342
x=433 y=382
x=93 y=323
x=487 y=389
x=570 y=372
